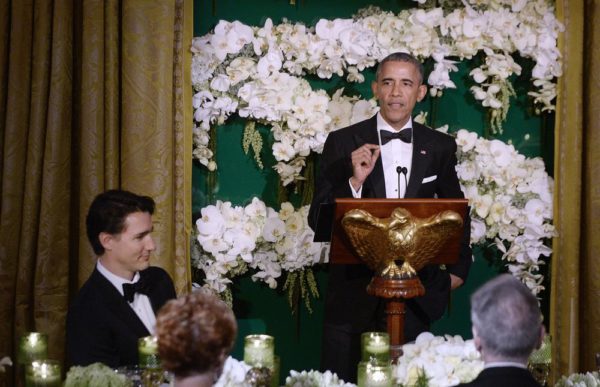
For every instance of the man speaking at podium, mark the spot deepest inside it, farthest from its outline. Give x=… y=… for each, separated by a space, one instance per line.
x=386 y=156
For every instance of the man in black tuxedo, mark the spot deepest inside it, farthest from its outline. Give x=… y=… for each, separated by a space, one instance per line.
x=117 y=304
x=386 y=156
x=507 y=327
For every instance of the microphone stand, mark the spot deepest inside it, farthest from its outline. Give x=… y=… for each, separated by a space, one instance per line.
x=402 y=171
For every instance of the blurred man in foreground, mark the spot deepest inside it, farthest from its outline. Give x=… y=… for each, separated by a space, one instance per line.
x=507 y=327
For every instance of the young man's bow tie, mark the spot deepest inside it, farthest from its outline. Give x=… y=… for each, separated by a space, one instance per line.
x=129 y=290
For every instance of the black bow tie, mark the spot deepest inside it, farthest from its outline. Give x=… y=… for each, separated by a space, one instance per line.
x=129 y=290
x=404 y=135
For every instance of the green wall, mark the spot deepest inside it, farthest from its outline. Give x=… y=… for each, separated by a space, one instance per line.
x=238 y=179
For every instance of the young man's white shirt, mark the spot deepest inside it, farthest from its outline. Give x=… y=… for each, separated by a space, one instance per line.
x=141 y=303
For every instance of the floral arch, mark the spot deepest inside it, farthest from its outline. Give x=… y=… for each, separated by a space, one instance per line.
x=259 y=74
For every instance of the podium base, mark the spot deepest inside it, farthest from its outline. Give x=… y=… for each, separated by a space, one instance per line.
x=395 y=291
x=395 y=288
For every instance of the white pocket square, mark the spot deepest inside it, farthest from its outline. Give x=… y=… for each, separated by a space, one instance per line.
x=429 y=179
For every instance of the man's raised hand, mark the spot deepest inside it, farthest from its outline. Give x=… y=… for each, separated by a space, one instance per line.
x=363 y=162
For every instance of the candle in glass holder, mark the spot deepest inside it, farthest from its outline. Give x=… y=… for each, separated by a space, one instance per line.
x=259 y=350
x=32 y=346
x=43 y=373
x=374 y=374
x=375 y=346
x=275 y=371
x=148 y=352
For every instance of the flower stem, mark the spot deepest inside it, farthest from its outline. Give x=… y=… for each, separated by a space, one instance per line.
x=211 y=178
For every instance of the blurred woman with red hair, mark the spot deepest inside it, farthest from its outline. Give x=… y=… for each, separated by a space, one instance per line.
x=195 y=335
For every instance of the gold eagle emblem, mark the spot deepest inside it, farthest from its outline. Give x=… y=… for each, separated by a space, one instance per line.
x=380 y=242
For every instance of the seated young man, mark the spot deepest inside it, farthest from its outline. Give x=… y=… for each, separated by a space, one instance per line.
x=117 y=304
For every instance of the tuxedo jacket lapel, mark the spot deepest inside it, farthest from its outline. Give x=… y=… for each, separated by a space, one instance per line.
x=116 y=304
x=374 y=186
x=420 y=160
x=157 y=293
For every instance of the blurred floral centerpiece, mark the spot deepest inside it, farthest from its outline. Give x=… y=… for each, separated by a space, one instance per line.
x=440 y=361
x=315 y=379
x=589 y=379
x=5 y=361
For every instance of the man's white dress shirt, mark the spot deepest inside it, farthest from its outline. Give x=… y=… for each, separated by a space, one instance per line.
x=141 y=303
x=396 y=153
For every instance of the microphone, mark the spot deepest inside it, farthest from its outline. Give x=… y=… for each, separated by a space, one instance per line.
x=401 y=171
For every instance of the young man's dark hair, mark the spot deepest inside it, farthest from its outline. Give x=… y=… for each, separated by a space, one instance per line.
x=108 y=211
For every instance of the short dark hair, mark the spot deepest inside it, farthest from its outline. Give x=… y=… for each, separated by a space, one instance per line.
x=507 y=318
x=108 y=211
x=401 y=57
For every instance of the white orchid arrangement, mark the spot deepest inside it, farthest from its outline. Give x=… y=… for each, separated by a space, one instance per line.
x=315 y=379
x=233 y=374
x=511 y=203
x=257 y=72
x=442 y=361
x=4 y=362
x=235 y=239
x=589 y=379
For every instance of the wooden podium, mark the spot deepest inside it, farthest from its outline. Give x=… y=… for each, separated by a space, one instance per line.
x=396 y=290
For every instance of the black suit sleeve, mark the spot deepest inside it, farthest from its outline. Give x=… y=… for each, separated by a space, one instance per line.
x=162 y=289
x=90 y=338
x=332 y=179
x=450 y=188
